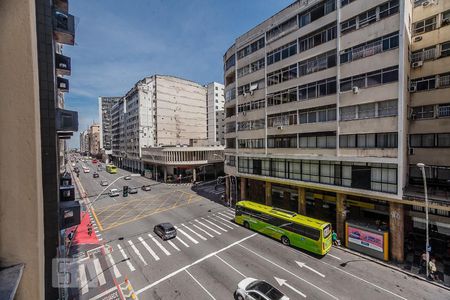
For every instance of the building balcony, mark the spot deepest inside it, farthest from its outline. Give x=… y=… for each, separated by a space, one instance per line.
x=62 y=65
x=64 y=27
x=62 y=84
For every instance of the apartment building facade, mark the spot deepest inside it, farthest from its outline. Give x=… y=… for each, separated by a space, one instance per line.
x=105 y=105
x=84 y=141
x=158 y=111
x=94 y=139
x=215 y=113
x=318 y=105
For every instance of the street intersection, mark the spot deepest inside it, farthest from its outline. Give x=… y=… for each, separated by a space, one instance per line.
x=211 y=253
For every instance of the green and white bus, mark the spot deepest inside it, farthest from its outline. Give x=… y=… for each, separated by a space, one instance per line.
x=290 y=228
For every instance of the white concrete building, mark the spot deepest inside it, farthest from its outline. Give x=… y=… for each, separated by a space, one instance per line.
x=158 y=111
x=105 y=105
x=215 y=113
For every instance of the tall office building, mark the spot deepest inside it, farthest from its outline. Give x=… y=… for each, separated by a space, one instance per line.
x=330 y=104
x=105 y=105
x=158 y=111
x=94 y=139
x=215 y=113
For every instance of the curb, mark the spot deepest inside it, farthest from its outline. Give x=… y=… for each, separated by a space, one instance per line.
x=392 y=267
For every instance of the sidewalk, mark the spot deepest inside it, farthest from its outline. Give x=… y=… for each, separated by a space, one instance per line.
x=394 y=266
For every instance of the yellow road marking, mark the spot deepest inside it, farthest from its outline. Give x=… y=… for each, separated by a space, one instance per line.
x=100 y=226
x=113 y=225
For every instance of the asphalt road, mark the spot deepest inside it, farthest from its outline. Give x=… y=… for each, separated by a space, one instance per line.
x=212 y=254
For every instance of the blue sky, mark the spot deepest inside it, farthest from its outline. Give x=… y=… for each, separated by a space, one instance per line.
x=120 y=42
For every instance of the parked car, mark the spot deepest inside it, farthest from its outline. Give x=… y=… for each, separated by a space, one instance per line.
x=94 y=161
x=104 y=183
x=86 y=170
x=165 y=231
x=133 y=190
x=95 y=175
x=252 y=289
x=114 y=193
x=146 y=188
x=128 y=177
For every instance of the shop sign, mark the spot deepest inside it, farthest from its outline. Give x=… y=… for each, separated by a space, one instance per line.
x=365 y=238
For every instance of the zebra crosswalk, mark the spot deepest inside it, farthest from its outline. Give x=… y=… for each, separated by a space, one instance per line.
x=124 y=256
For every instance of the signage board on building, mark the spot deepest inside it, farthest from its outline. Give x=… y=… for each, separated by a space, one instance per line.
x=367 y=240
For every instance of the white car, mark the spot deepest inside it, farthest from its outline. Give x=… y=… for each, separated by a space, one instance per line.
x=114 y=193
x=86 y=170
x=73 y=164
x=254 y=289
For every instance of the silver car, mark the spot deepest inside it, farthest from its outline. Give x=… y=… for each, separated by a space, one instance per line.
x=254 y=289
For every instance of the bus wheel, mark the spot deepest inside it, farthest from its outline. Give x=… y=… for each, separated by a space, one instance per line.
x=285 y=241
x=246 y=225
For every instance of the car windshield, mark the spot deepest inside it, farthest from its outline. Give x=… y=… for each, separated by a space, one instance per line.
x=266 y=289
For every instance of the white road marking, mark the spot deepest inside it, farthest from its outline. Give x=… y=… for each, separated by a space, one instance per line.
x=221 y=222
x=282 y=282
x=192 y=264
x=234 y=224
x=228 y=213
x=114 y=288
x=206 y=232
x=286 y=270
x=159 y=245
x=230 y=266
x=150 y=250
x=223 y=229
x=187 y=235
x=173 y=245
x=137 y=252
x=127 y=259
x=83 y=279
x=99 y=272
x=181 y=241
x=303 y=265
x=113 y=264
x=213 y=230
x=212 y=297
x=194 y=232
x=334 y=256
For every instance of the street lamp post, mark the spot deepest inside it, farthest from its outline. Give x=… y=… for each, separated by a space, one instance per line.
x=422 y=168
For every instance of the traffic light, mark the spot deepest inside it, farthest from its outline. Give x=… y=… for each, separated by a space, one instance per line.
x=125 y=190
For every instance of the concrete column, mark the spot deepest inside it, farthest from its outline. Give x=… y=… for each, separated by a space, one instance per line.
x=268 y=193
x=165 y=174
x=302 y=201
x=340 y=215
x=396 y=231
x=194 y=174
x=243 y=188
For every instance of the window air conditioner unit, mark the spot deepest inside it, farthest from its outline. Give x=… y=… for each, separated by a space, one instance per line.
x=417 y=64
x=251 y=93
x=413 y=88
x=244 y=94
x=418 y=38
x=280 y=127
x=355 y=90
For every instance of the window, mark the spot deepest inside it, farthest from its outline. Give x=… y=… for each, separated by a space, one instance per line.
x=282 y=97
x=370 y=16
x=253 y=67
x=316 y=12
x=424 y=54
x=369 y=140
x=444 y=110
x=258 y=104
x=324 y=114
x=282 y=141
x=250 y=87
x=230 y=94
x=282 y=52
x=425 y=25
x=317 y=63
x=348 y=113
x=383 y=76
x=443 y=140
x=282 y=75
x=422 y=140
x=385 y=43
x=282 y=119
x=231 y=160
x=230 y=62
x=253 y=47
x=346 y=2
x=366 y=111
x=445 y=49
x=423 y=112
x=251 y=125
x=318 y=37
x=424 y=84
x=317 y=89
x=251 y=143
x=318 y=140
x=281 y=29
x=387 y=108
